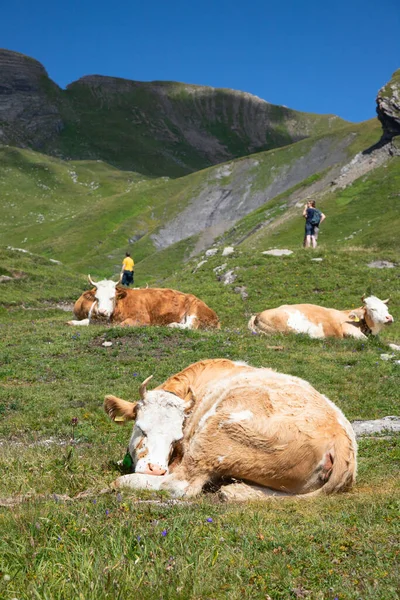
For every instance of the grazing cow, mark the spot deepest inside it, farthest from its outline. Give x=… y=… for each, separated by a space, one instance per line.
x=135 y=307
x=219 y=419
x=319 y=322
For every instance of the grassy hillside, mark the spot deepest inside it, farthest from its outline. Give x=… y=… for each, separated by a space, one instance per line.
x=86 y=213
x=170 y=128
x=365 y=214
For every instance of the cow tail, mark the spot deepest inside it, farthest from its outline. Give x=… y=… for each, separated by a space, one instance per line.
x=344 y=469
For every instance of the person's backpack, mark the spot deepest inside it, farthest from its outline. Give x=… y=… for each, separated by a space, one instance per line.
x=316 y=218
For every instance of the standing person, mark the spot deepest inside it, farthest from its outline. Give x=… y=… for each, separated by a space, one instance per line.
x=127 y=270
x=313 y=219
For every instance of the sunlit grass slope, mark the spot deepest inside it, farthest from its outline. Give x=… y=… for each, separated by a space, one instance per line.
x=87 y=214
x=366 y=213
x=107 y=546
x=104 y=545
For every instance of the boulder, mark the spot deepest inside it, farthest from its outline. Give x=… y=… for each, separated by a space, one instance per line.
x=381 y=264
x=211 y=252
x=390 y=424
x=388 y=107
x=278 y=252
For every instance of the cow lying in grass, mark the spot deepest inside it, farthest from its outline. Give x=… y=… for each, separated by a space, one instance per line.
x=218 y=419
x=135 y=307
x=319 y=322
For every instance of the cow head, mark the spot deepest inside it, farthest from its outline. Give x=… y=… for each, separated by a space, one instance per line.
x=105 y=297
x=376 y=313
x=159 y=418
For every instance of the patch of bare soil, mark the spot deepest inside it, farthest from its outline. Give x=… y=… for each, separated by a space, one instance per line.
x=139 y=340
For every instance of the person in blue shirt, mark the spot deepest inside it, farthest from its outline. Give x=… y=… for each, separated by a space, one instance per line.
x=313 y=219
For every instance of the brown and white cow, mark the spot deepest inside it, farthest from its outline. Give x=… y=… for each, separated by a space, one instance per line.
x=218 y=419
x=319 y=322
x=135 y=307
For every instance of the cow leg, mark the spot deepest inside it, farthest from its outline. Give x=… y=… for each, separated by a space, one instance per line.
x=352 y=331
x=133 y=323
x=242 y=492
x=139 y=481
x=83 y=322
x=180 y=487
x=188 y=322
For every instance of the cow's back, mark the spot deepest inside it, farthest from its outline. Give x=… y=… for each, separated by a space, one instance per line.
x=269 y=428
x=316 y=321
x=162 y=306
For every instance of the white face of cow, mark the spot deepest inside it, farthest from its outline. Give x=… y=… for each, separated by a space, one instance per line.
x=159 y=424
x=105 y=298
x=376 y=313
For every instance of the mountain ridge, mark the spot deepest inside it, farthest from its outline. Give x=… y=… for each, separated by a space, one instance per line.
x=155 y=128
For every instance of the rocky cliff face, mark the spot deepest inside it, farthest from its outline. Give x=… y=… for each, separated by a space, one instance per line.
x=29 y=114
x=156 y=128
x=388 y=107
x=186 y=126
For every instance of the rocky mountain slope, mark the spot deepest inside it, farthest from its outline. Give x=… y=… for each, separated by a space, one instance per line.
x=29 y=102
x=388 y=107
x=156 y=128
x=87 y=213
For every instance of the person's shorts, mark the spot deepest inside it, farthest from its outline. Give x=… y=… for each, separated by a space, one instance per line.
x=127 y=278
x=311 y=229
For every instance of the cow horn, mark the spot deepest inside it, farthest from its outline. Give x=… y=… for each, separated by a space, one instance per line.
x=91 y=281
x=142 y=389
x=363 y=298
x=386 y=301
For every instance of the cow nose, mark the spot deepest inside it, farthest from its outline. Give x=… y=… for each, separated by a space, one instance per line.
x=102 y=312
x=389 y=319
x=153 y=469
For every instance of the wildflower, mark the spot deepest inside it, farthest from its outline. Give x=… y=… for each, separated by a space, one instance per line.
x=209 y=520
x=94 y=501
x=107 y=512
x=139 y=537
x=119 y=497
x=59 y=538
x=74 y=421
x=164 y=532
x=135 y=374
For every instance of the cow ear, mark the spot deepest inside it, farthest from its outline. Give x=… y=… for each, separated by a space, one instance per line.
x=90 y=295
x=120 y=410
x=356 y=315
x=120 y=293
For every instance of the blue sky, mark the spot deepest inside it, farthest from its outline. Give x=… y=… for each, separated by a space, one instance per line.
x=316 y=56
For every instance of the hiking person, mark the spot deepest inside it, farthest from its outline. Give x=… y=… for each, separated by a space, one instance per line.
x=127 y=270
x=313 y=219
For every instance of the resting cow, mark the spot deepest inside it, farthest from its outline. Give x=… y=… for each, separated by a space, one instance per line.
x=319 y=322
x=152 y=306
x=219 y=419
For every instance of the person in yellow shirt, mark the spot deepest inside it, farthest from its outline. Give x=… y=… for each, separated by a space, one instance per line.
x=127 y=270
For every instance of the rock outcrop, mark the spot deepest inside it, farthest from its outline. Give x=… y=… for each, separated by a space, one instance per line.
x=29 y=114
x=388 y=107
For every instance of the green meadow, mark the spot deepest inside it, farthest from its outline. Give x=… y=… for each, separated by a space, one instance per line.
x=65 y=535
